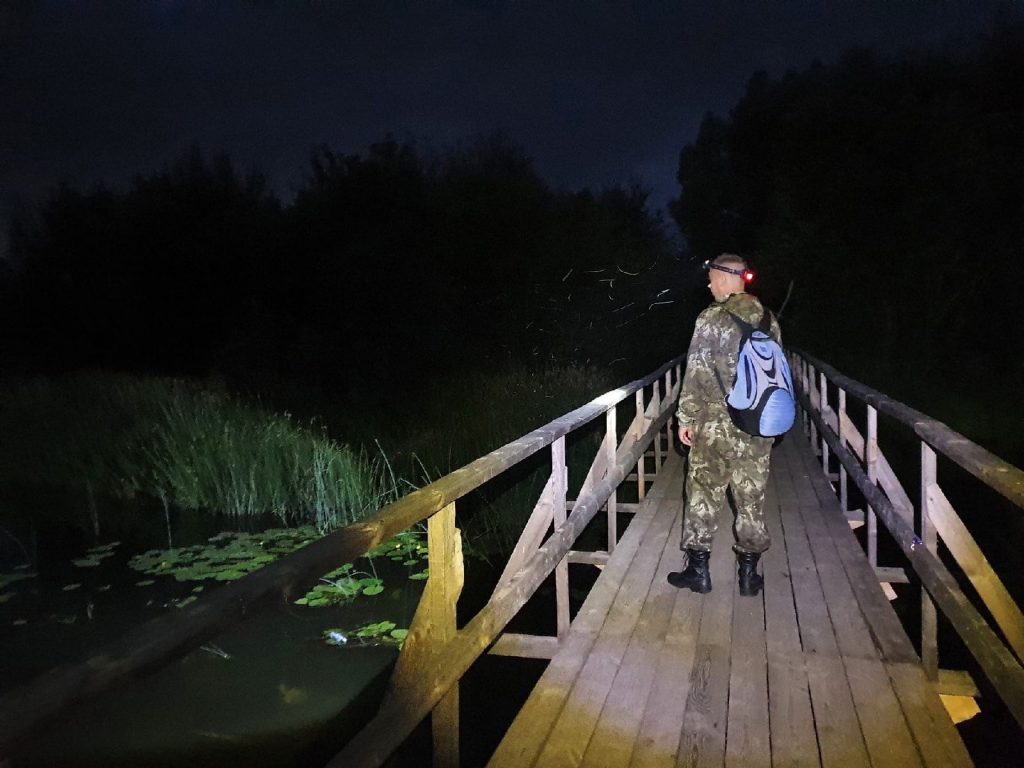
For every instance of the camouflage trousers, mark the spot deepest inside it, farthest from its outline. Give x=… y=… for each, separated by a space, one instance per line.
x=724 y=457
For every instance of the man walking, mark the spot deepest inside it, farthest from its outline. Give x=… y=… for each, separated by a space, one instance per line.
x=722 y=456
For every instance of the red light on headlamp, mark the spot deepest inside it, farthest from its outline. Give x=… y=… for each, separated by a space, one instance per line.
x=748 y=276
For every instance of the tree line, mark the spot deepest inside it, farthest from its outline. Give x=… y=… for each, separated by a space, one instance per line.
x=385 y=267
x=887 y=194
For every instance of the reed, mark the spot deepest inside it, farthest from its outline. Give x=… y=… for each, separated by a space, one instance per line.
x=191 y=447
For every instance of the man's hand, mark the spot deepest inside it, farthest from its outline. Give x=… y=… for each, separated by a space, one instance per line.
x=686 y=435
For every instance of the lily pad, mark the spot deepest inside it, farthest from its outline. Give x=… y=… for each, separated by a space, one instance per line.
x=19 y=622
x=421 y=576
x=144 y=583
x=70 y=587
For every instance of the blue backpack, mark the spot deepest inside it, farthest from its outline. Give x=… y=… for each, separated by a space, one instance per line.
x=761 y=401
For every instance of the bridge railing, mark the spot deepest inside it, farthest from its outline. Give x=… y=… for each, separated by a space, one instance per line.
x=918 y=531
x=436 y=653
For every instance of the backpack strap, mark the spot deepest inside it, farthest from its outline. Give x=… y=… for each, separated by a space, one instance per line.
x=746 y=329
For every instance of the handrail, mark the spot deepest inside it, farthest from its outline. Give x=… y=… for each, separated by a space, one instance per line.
x=997 y=474
x=891 y=504
x=164 y=639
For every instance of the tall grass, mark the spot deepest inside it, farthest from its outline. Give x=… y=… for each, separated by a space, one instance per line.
x=191 y=447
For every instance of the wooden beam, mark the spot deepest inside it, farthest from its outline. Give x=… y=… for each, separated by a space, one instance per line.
x=525 y=646
x=956 y=682
x=891 y=575
x=975 y=565
x=533 y=534
x=599 y=559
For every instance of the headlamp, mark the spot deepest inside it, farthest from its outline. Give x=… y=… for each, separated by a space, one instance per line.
x=745 y=274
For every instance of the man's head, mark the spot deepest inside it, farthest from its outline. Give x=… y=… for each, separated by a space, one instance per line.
x=725 y=276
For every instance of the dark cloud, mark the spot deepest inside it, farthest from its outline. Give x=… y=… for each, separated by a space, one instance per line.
x=597 y=93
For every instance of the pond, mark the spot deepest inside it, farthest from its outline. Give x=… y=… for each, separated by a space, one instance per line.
x=284 y=687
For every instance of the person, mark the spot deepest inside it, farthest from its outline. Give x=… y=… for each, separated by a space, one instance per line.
x=721 y=455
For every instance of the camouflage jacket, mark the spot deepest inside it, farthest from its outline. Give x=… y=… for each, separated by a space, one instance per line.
x=714 y=347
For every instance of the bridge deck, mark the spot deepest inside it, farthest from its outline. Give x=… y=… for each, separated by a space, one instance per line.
x=816 y=671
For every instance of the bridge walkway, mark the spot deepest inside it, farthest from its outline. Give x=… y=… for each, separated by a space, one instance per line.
x=817 y=671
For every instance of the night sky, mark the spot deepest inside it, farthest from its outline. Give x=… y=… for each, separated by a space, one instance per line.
x=597 y=93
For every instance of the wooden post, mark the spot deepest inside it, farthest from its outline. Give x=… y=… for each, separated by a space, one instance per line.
x=822 y=408
x=929 y=621
x=843 y=492
x=641 y=479
x=810 y=398
x=611 y=444
x=560 y=479
x=433 y=626
x=802 y=375
x=657 y=438
x=668 y=424
x=871 y=459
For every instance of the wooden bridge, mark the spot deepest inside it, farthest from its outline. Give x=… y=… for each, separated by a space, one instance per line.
x=815 y=671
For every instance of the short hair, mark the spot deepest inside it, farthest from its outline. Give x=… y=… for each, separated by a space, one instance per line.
x=730 y=260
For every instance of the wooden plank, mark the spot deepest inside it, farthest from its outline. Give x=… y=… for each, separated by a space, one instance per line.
x=523 y=740
x=612 y=743
x=816 y=634
x=748 y=741
x=702 y=741
x=835 y=718
x=658 y=739
x=600 y=559
x=889 y=635
x=793 y=740
x=567 y=742
x=536 y=528
x=525 y=646
x=956 y=682
x=975 y=565
x=882 y=724
x=934 y=733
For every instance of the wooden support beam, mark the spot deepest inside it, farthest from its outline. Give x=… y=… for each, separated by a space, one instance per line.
x=892 y=575
x=599 y=559
x=525 y=646
x=622 y=506
x=971 y=559
x=536 y=528
x=956 y=682
x=432 y=627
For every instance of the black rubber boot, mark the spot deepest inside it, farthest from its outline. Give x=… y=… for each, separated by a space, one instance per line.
x=750 y=582
x=695 y=575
